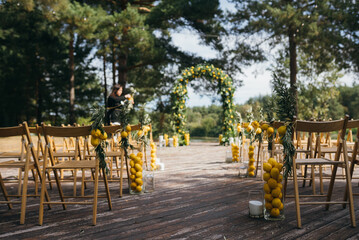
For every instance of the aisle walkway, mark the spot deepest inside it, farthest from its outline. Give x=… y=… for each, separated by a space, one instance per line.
x=197 y=196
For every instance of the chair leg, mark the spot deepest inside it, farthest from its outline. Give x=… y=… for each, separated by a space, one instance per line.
x=3 y=189
x=331 y=185
x=19 y=185
x=94 y=208
x=83 y=183
x=321 y=180
x=107 y=188
x=313 y=178
x=24 y=193
x=304 y=174
x=352 y=165
x=75 y=182
x=296 y=195
x=350 y=193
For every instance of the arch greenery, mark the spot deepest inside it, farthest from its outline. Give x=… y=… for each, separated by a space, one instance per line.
x=223 y=83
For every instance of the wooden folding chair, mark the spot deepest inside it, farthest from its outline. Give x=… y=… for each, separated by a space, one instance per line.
x=319 y=127
x=354 y=158
x=76 y=164
x=27 y=161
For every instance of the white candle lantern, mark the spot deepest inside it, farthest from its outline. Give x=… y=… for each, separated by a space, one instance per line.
x=255 y=204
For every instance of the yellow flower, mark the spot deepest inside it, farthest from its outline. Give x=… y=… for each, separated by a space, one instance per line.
x=181 y=80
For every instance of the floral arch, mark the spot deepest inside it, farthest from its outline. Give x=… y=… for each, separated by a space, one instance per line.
x=180 y=94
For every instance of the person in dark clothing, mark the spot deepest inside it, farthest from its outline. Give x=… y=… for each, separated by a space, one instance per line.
x=115 y=102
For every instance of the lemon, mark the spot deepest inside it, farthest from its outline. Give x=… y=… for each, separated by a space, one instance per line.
x=274 y=172
x=281 y=207
x=280 y=178
x=280 y=195
x=132 y=156
x=276 y=202
x=267 y=167
x=139 y=133
x=272 y=162
x=282 y=130
x=270 y=131
x=239 y=128
x=153 y=165
x=250 y=154
x=128 y=128
x=124 y=134
x=266 y=188
x=133 y=185
x=264 y=126
x=276 y=192
x=251 y=174
x=138 y=174
x=251 y=161
x=153 y=155
x=268 y=206
x=138 y=188
x=132 y=163
x=139 y=181
x=279 y=166
x=95 y=141
x=249 y=128
x=245 y=125
x=268 y=197
x=138 y=167
x=103 y=136
x=251 y=148
x=280 y=186
x=137 y=160
x=251 y=168
x=258 y=131
x=140 y=154
x=274 y=212
x=132 y=177
x=266 y=176
x=272 y=183
x=255 y=124
x=133 y=171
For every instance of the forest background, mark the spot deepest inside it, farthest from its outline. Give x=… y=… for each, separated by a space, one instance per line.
x=60 y=58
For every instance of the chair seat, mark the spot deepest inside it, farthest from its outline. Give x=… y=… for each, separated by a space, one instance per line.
x=316 y=161
x=331 y=150
x=75 y=164
x=15 y=164
x=10 y=154
x=64 y=154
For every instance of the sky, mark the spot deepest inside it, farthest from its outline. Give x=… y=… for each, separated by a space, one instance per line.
x=256 y=78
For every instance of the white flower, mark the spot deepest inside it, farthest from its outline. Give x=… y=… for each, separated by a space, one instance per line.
x=122 y=102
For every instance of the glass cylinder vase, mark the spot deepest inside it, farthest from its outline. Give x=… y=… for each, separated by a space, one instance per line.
x=136 y=174
x=273 y=190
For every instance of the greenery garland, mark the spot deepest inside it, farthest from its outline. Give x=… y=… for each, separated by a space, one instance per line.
x=285 y=111
x=225 y=88
x=99 y=136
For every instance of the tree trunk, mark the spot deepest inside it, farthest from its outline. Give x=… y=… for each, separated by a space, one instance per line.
x=105 y=79
x=38 y=97
x=113 y=66
x=122 y=70
x=72 y=118
x=293 y=67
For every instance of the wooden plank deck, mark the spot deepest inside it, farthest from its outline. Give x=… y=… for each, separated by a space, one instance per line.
x=197 y=196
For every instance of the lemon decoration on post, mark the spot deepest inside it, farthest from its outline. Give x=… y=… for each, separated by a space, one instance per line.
x=179 y=94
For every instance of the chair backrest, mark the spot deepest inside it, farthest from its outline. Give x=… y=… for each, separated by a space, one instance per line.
x=355 y=124
x=66 y=131
x=319 y=127
x=23 y=131
x=322 y=126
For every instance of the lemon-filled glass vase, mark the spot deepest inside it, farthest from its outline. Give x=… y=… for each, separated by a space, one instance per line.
x=273 y=190
x=136 y=173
